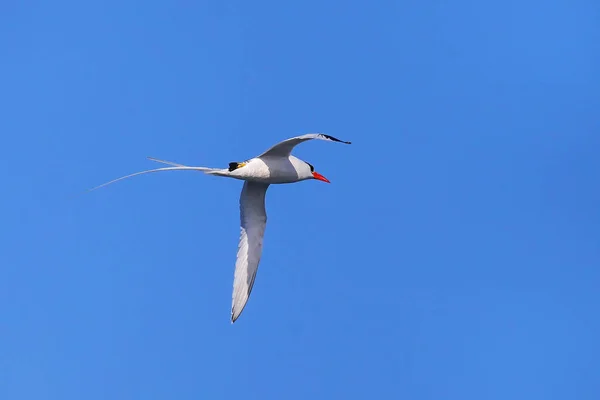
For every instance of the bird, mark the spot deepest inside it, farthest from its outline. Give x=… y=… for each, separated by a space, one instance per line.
x=276 y=165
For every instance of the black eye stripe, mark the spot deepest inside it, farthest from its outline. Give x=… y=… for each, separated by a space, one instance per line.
x=312 y=169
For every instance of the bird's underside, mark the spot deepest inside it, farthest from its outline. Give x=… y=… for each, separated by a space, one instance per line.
x=276 y=165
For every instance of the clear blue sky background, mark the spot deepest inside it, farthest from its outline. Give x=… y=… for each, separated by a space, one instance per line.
x=454 y=256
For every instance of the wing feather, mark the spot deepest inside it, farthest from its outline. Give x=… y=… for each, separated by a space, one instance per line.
x=284 y=148
x=253 y=220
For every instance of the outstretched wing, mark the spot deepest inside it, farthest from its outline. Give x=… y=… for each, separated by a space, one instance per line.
x=253 y=219
x=284 y=149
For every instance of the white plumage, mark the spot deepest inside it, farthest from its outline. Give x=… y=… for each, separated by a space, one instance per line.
x=253 y=220
x=274 y=166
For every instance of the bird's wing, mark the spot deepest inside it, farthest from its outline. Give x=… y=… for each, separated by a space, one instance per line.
x=253 y=219
x=284 y=149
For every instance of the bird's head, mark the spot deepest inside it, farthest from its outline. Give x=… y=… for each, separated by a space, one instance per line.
x=312 y=174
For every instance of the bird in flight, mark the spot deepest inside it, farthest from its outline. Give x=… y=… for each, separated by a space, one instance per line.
x=275 y=166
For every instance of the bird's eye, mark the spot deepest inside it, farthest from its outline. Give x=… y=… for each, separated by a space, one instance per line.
x=312 y=169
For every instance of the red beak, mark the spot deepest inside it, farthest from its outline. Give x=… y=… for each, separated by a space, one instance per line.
x=320 y=177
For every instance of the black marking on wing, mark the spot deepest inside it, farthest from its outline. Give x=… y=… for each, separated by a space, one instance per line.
x=251 y=284
x=334 y=139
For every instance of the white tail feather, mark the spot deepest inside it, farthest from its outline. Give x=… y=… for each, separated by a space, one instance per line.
x=166 y=162
x=177 y=168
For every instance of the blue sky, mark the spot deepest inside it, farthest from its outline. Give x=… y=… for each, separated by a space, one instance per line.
x=454 y=256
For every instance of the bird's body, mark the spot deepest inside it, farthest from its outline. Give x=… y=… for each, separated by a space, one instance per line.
x=274 y=166
x=269 y=170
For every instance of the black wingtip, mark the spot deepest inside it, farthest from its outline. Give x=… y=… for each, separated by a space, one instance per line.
x=335 y=139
